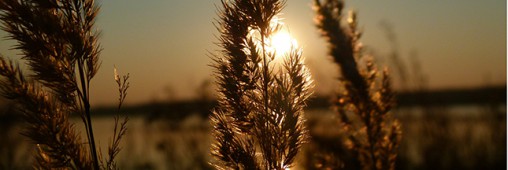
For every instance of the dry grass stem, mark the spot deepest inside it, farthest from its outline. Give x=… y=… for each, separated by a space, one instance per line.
x=370 y=133
x=120 y=128
x=258 y=123
x=58 y=41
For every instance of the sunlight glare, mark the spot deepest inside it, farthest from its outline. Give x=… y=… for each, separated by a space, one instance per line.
x=281 y=42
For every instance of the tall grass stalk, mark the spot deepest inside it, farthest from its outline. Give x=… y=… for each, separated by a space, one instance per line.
x=366 y=99
x=58 y=41
x=258 y=123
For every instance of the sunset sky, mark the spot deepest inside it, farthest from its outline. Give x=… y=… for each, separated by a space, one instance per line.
x=163 y=44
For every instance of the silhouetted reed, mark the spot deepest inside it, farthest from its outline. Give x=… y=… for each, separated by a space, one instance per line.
x=58 y=41
x=368 y=136
x=258 y=122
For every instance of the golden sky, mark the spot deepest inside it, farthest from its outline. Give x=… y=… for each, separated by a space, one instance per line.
x=163 y=44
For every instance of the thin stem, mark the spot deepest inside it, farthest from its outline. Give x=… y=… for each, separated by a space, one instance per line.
x=265 y=71
x=266 y=81
x=372 y=141
x=83 y=117
x=86 y=103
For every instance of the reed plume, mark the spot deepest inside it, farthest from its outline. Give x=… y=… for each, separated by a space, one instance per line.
x=370 y=133
x=258 y=123
x=58 y=41
x=57 y=142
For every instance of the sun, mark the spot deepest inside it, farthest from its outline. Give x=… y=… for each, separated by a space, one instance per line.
x=281 y=42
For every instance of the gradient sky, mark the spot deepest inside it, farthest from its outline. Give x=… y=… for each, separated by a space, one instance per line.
x=163 y=44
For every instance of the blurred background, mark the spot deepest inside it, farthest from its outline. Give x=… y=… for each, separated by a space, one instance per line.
x=447 y=59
